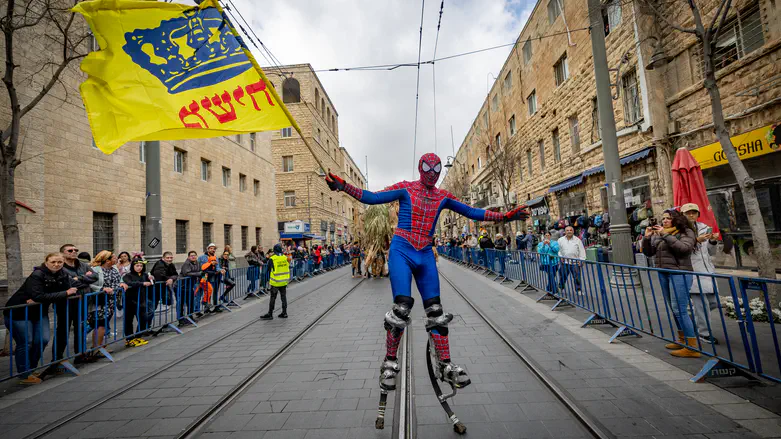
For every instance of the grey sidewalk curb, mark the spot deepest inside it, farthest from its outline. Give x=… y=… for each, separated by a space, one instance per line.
x=751 y=416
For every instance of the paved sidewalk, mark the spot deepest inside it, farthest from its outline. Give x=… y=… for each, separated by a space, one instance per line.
x=166 y=403
x=630 y=391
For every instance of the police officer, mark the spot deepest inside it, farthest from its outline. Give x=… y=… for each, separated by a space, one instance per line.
x=280 y=276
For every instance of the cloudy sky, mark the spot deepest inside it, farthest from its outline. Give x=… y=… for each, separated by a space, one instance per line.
x=377 y=108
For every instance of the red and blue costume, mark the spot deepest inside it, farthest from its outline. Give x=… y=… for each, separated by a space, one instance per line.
x=420 y=203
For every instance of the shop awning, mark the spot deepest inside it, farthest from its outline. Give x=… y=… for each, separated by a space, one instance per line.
x=299 y=236
x=566 y=184
x=535 y=201
x=631 y=158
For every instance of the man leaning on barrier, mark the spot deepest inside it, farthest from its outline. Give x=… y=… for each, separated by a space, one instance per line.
x=67 y=311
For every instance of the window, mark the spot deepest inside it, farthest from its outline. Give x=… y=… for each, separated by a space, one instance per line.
x=205 y=170
x=473 y=169
x=739 y=37
x=574 y=134
x=238 y=139
x=318 y=136
x=499 y=140
x=508 y=81
x=560 y=70
x=317 y=99
x=255 y=187
x=485 y=119
x=226 y=176
x=92 y=43
x=244 y=237
x=322 y=199
x=541 y=145
x=207 y=234
x=479 y=163
x=179 y=160
x=554 y=10
x=141 y=151
x=227 y=229
x=258 y=234
x=287 y=132
x=252 y=142
x=290 y=198
x=328 y=112
x=611 y=15
x=632 y=110
x=527 y=51
x=291 y=91
x=529 y=161
x=242 y=182
x=103 y=232
x=181 y=236
x=287 y=163
x=322 y=107
x=556 y=146
x=495 y=103
x=512 y=125
x=143 y=233
x=596 y=124
x=531 y=102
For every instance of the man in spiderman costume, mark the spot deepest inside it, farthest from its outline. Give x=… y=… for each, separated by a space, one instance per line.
x=420 y=203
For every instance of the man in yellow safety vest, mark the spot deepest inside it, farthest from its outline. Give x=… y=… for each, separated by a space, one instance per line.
x=280 y=276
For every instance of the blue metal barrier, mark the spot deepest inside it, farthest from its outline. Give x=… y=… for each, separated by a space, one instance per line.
x=643 y=300
x=81 y=328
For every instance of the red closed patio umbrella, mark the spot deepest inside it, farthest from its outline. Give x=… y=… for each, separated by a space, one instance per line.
x=689 y=186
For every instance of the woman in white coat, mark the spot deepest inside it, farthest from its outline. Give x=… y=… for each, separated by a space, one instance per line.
x=703 y=291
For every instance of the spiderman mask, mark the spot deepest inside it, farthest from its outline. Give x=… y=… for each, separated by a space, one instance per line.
x=429 y=167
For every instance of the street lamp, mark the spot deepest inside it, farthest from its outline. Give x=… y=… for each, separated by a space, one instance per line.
x=320 y=174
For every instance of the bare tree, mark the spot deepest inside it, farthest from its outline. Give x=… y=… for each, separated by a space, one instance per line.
x=51 y=21
x=502 y=157
x=707 y=35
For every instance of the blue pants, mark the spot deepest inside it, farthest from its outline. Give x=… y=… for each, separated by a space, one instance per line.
x=678 y=299
x=404 y=262
x=30 y=339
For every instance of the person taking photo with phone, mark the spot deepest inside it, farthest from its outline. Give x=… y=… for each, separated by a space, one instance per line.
x=672 y=245
x=703 y=293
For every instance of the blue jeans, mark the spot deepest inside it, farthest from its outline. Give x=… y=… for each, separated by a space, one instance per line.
x=566 y=270
x=550 y=272
x=678 y=299
x=31 y=337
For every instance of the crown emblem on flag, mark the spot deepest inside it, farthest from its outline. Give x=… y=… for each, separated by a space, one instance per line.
x=189 y=52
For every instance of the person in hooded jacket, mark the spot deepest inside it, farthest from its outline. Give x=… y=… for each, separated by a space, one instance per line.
x=137 y=301
x=26 y=315
x=67 y=311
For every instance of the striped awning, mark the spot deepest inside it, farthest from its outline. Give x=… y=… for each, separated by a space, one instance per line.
x=566 y=184
x=631 y=158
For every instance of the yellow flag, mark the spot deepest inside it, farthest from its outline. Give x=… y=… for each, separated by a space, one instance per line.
x=167 y=71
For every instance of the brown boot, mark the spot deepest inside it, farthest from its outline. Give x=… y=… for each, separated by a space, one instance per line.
x=676 y=346
x=686 y=352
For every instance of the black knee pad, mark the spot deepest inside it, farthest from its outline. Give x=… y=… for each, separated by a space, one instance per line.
x=434 y=309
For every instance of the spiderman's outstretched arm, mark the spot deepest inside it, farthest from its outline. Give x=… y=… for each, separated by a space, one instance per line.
x=336 y=183
x=473 y=213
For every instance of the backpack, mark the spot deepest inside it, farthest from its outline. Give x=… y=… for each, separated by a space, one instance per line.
x=642 y=213
x=562 y=224
x=597 y=220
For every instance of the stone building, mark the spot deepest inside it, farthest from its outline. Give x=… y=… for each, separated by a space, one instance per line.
x=213 y=190
x=302 y=194
x=542 y=108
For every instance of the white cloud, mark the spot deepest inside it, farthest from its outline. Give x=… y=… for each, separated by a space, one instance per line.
x=377 y=109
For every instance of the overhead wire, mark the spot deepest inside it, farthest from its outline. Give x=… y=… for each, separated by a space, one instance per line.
x=432 y=61
x=434 y=73
x=417 y=88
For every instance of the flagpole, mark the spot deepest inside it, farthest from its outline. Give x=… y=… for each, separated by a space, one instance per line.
x=271 y=87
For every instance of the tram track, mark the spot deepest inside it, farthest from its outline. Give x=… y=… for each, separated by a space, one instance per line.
x=594 y=427
x=197 y=426
x=74 y=416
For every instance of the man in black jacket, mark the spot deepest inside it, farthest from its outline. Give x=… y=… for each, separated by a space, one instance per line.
x=67 y=311
x=164 y=270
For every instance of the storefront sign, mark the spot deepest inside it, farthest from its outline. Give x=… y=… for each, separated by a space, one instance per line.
x=295 y=227
x=339 y=229
x=755 y=143
x=539 y=210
